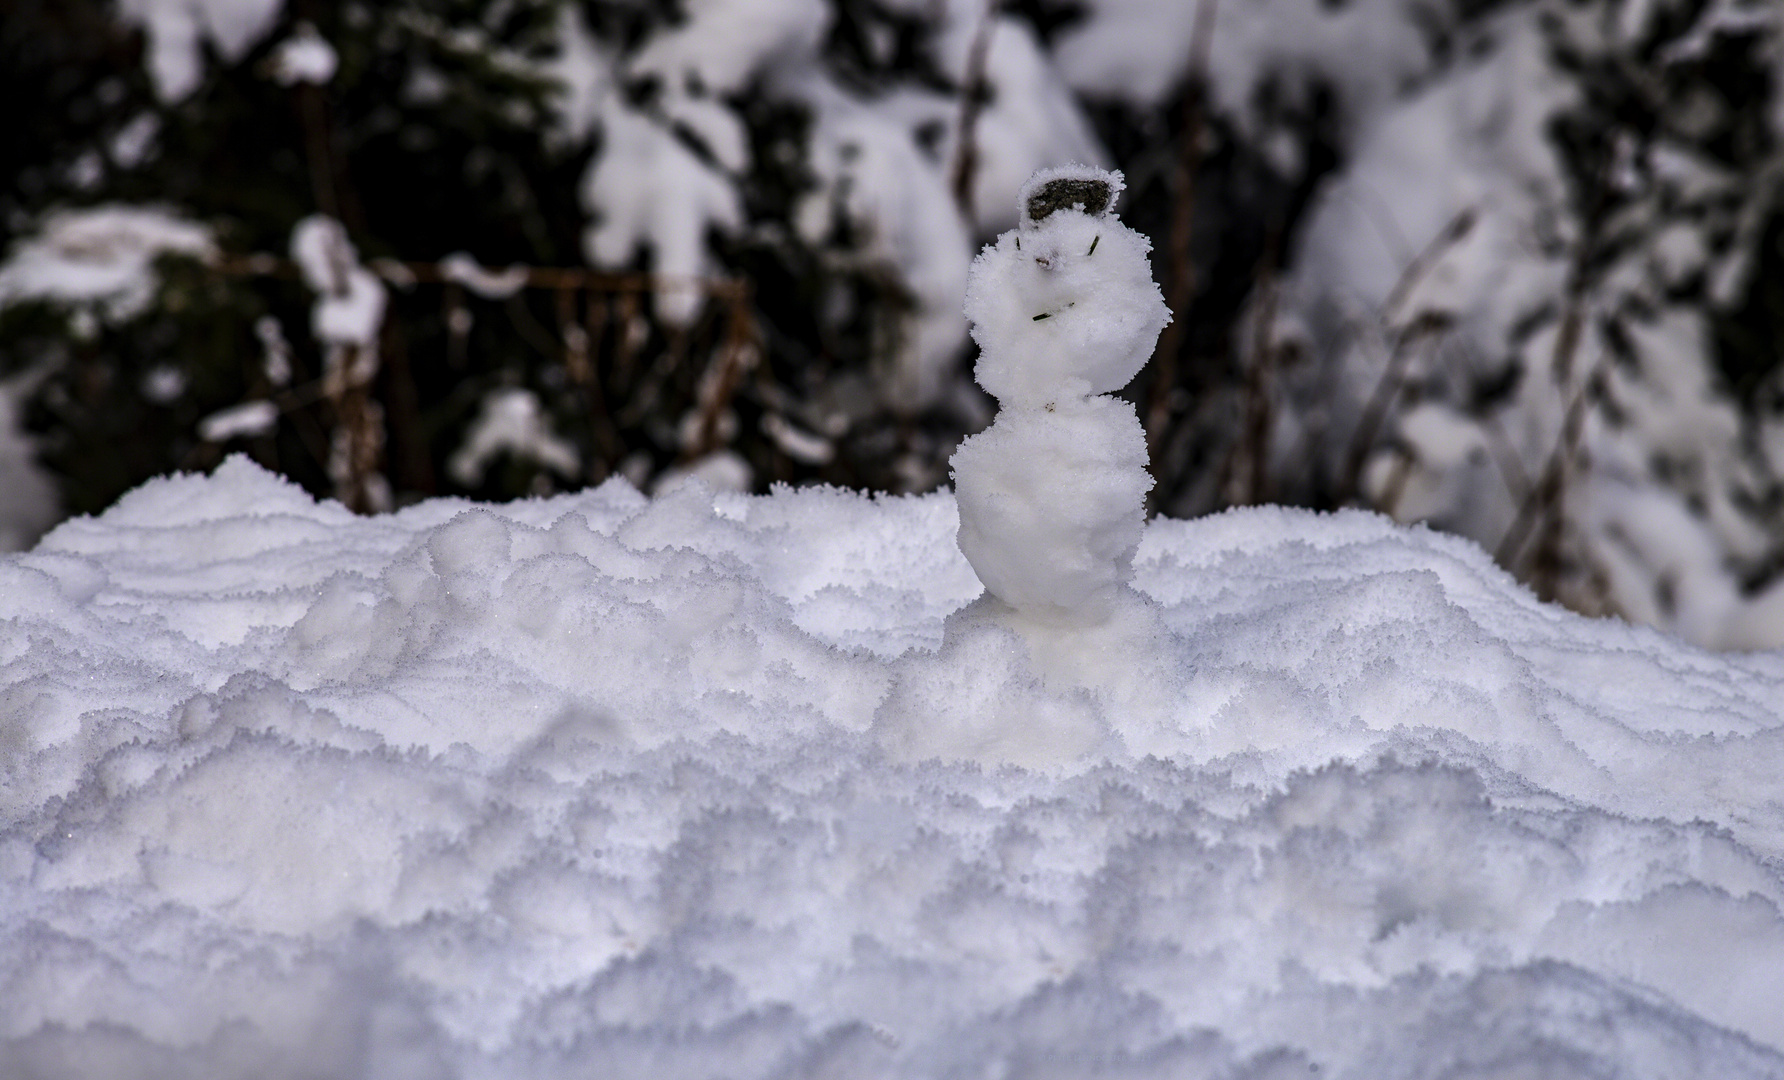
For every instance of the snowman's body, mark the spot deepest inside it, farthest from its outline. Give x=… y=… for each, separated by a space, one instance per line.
x=1065 y=312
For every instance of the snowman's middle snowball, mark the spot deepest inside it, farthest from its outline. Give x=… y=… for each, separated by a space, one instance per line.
x=1052 y=506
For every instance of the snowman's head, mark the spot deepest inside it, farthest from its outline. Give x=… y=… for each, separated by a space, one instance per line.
x=1064 y=304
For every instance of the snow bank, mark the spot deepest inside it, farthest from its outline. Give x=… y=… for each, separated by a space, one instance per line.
x=602 y=782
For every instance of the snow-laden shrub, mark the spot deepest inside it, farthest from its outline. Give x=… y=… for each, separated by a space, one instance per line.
x=774 y=202
x=1517 y=308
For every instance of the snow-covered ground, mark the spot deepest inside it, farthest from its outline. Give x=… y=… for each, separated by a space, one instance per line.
x=605 y=786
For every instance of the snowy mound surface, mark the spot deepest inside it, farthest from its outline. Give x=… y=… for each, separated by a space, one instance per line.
x=599 y=786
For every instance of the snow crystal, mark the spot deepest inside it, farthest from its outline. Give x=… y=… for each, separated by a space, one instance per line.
x=645 y=786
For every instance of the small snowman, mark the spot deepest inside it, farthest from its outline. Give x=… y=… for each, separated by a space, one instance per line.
x=1061 y=661
x=1052 y=494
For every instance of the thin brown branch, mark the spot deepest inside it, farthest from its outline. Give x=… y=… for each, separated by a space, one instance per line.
x=1541 y=510
x=1542 y=504
x=536 y=277
x=1381 y=401
x=974 y=93
x=318 y=154
x=1422 y=264
x=1248 y=465
x=736 y=355
x=1190 y=137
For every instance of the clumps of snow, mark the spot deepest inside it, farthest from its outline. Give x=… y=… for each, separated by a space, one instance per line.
x=239 y=421
x=1445 y=217
x=350 y=299
x=1259 y=57
x=601 y=782
x=723 y=44
x=135 y=142
x=581 y=72
x=179 y=32
x=512 y=421
x=668 y=159
x=304 y=57
x=461 y=269
x=876 y=183
x=276 y=355
x=721 y=470
x=1031 y=120
x=100 y=259
x=646 y=189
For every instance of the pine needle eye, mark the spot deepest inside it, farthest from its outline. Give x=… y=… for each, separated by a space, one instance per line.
x=1043 y=315
x=1093 y=242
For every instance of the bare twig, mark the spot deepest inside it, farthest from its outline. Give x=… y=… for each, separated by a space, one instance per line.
x=354 y=450
x=535 y=277
x=1381 y=401
x=1542 y=503
x=1452 y=233
x=1423 y=327
x=736 y=356
x=973 y=94
x=1248 y=466
x=317 y=153
x=1183 y=189
x=1541 y=510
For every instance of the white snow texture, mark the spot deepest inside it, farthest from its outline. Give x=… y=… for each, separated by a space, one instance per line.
x=597 y=785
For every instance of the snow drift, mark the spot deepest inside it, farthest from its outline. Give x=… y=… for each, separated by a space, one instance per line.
x=602 y=782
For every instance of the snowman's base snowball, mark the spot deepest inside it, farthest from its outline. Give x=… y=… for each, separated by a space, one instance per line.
x=1009 y=688
x=1052 y=506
